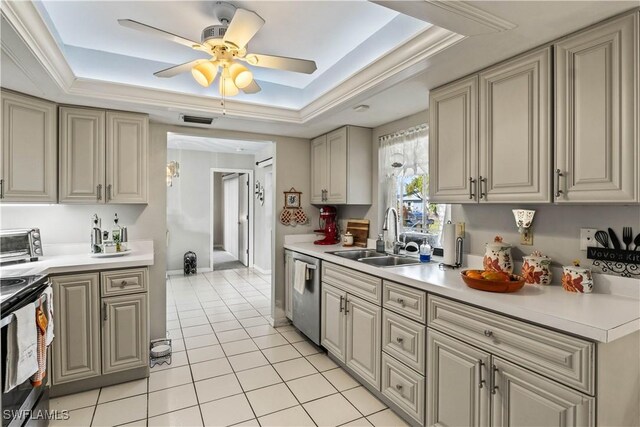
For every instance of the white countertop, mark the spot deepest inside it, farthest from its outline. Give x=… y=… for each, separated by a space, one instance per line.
x=598 y=317
x=73 y=258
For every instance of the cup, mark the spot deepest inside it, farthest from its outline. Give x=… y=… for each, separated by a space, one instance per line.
x=577 y=279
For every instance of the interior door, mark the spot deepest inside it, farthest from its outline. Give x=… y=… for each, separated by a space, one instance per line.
x=243 y=219
x=230 y=198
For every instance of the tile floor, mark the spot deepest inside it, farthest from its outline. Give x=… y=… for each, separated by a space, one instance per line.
x=231 y=368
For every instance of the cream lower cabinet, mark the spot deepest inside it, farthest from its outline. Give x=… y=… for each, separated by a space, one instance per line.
x=28 y=165
x=289 y=271
x=350 y=330
x=76 y=346
x=124 y=332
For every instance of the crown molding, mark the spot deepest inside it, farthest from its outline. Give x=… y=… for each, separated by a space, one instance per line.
x=473 y=13
x=400 y=64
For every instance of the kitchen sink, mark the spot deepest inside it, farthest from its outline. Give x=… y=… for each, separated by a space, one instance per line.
x=357 y=254
x=389 y=261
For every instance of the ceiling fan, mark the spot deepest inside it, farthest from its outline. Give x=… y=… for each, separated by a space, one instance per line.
x=226 y=43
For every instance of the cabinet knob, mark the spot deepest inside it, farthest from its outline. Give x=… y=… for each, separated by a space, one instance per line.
x=398 y=386
x=400 y=339
x=488 y=333
x=400 y=301
x=123 y=283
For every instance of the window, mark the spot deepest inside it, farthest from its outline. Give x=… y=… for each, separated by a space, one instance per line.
x=404 y=160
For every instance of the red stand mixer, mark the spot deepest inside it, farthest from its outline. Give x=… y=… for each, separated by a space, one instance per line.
x=328 y=226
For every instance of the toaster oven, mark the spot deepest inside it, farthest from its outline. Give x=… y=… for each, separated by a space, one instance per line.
x=19 y=245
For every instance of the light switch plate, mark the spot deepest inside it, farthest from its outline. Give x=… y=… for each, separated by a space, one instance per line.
x=460 y=229
x=587 y=238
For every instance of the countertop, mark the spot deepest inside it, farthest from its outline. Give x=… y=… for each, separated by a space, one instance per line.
x=597 y=317
x=74 y=258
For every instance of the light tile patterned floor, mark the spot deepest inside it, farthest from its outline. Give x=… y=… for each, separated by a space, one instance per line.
x=231 y=368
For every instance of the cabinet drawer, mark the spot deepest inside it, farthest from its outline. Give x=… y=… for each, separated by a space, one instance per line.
x=562 y=357
x=356 y=283
x=120 y=282
x=405 y=300
x=403 y=339
x=404 y=387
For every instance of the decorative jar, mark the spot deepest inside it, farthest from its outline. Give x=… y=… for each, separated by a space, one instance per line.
x=536 y=269
x=497 y=256
x=577 y=279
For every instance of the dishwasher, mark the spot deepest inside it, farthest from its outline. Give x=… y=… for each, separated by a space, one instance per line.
x=306 y=306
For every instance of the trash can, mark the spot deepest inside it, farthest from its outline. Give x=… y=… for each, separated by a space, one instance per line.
x=190 y=263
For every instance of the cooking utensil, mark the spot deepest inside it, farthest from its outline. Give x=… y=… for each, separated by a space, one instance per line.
x=603 y=238
x=614 y=239
x=627 y=236
x=636 y=242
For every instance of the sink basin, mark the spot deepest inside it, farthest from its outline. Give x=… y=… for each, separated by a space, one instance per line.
x=389 y=261
x=357 y=254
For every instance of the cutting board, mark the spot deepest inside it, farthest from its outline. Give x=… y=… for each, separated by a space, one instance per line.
x=360 y=230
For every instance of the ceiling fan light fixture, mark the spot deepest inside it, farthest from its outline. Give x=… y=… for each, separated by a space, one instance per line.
x=252 y=59
x=226 y=85
x=204 y=73
x=240 y=75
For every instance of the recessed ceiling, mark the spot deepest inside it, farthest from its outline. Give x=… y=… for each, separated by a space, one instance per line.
x=176 y=141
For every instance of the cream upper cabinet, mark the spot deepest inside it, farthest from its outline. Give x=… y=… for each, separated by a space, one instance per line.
x=318 y=169
x=126 y=157
x=515 y=130
x=103 y=156
x=82 y=149
x=28 y=167
x=597 y=114
x=453 y=142
x=341 y=167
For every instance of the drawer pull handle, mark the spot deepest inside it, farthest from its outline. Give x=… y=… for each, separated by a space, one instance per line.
x=400 y=301
x=123 y=283
x=346 y=306
x=495 y=385
x=104 y=311
x=400 y=339
x=341 y=307
x=488 y=333
x=480 y=368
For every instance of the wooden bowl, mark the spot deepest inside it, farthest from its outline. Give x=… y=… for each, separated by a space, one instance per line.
x=515 y=284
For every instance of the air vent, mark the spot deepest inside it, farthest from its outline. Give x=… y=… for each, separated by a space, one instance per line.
x=196 y=119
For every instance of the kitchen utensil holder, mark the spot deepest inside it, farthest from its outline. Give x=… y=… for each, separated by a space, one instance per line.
x=617 y=261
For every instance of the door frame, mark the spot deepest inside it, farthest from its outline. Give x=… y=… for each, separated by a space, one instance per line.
x=250 y=172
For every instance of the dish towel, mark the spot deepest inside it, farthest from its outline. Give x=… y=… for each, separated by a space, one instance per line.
x=49 y=313
x=22 y=347
x=300 y=276
x=41 y=322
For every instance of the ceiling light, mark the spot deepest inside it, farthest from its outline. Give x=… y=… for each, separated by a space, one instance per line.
x=227 y=87
x=240 y=75
x=361 y=108
x=205 y=73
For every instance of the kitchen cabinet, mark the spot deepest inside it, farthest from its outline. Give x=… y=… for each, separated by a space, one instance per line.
x=28 y=163
x=490 y=134
x=103 y=156
x=76 y=347
x=341 y=167
x=124 y=336
x=289 y=273
x=597 y=114
x=350 y=331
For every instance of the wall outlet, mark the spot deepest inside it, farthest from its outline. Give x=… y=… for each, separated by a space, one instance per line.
x=526 y=238
x=459 y=229
x=587 y=238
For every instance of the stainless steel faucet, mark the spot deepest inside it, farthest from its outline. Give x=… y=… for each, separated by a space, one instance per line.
x=397 y=244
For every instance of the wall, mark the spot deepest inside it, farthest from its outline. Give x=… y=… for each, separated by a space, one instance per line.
x=70 y=224
x=189 y=202
x=263 y=214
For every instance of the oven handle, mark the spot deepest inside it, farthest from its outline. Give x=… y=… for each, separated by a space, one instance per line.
x=9 y=317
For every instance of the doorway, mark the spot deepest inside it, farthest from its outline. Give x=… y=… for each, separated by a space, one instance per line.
x=231 y=219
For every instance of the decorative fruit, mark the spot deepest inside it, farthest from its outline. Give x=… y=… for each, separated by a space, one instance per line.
x=496 y=276
x=475 y=274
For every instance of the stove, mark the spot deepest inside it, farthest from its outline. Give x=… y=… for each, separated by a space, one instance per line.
x=15 y=291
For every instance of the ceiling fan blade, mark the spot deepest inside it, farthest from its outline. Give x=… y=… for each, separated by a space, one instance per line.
x=177 y=69
x=282 y=63
x=244 y=25
x=252 y=88
x=135 y=25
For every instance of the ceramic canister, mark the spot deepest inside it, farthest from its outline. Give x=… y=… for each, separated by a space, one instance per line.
x=347 y=239
x=536 y=270
x=497 y=257
x=577 y=279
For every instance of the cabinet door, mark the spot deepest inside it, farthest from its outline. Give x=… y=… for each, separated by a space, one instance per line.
x=125 y=333
x=458 y=388
x=289 y=266
x=28 y=165
x=515 y=130
x=364 y=348
x=333 y=321
x=523 y=398
x=126 y=157
x=337 y=166
x=76 y=347
x=318 y=169
x=597 y=112
x=453 y=142
x=81 y=167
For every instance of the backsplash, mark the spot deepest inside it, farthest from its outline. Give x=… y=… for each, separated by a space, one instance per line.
x=556 y=229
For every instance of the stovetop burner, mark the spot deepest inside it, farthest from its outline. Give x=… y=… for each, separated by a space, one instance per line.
x=14 y=289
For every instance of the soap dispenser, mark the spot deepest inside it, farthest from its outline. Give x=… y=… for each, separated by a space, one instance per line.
x=380 y=244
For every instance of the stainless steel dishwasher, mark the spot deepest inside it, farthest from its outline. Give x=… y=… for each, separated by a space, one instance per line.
x=306 y=305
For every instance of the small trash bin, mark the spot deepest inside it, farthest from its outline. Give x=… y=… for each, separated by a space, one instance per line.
x=190 y=263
